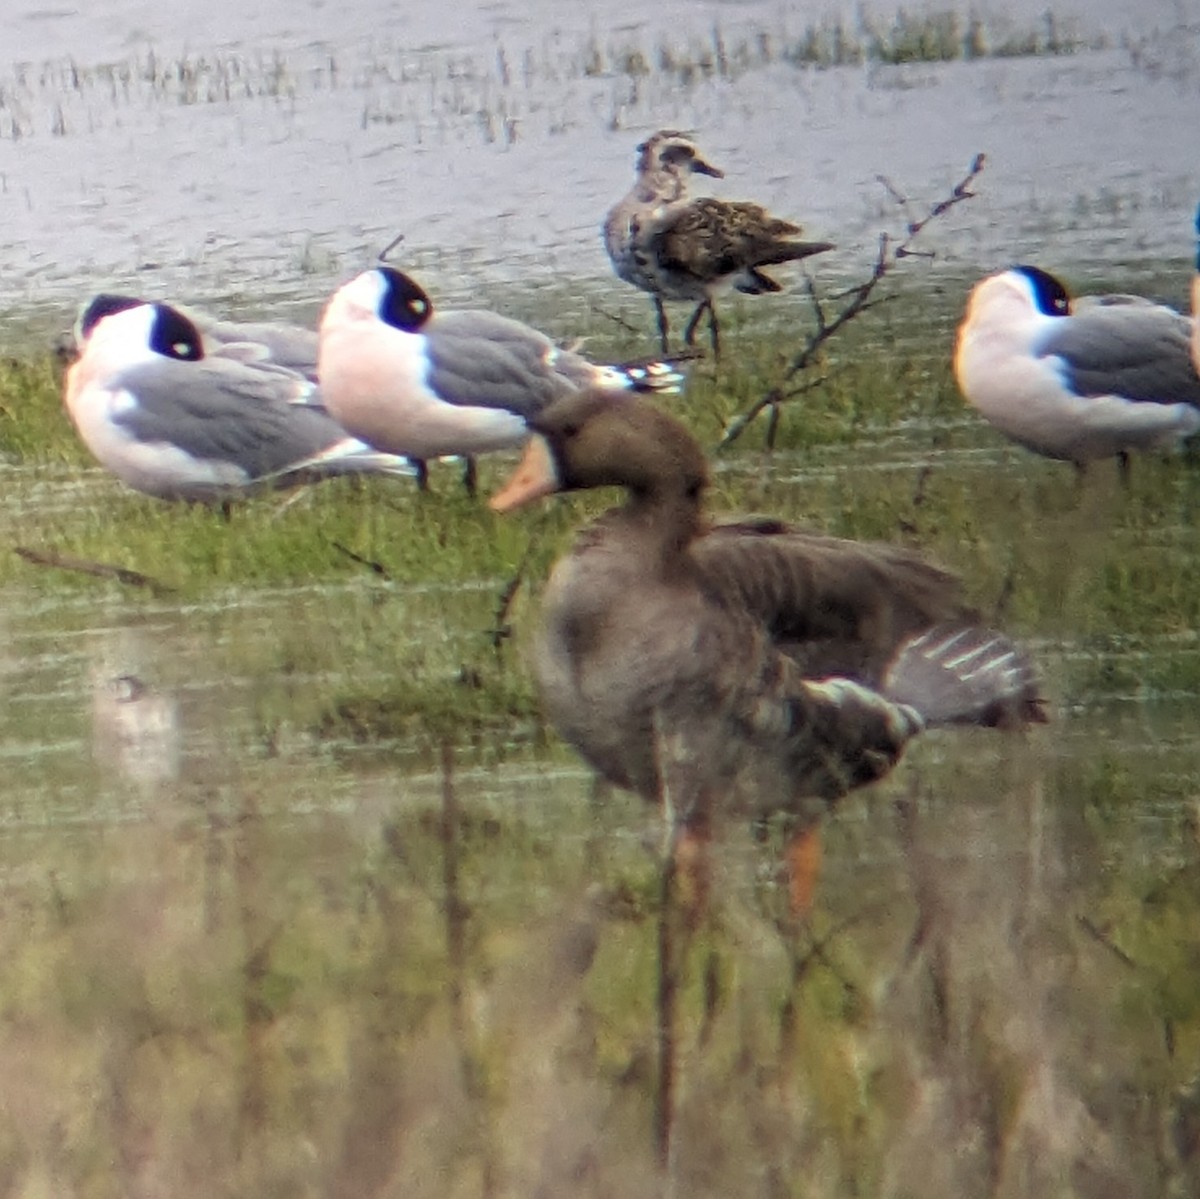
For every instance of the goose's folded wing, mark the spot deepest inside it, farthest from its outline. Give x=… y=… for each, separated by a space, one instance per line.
x=834 y=606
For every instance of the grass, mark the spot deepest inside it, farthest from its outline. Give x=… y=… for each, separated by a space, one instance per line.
x=377 y=939
x=884 y=448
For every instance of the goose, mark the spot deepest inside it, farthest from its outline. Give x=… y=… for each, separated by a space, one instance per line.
x=752 y=666
x=1077 y=380
x=425 y=383
x=678 y=248
x=175 y=423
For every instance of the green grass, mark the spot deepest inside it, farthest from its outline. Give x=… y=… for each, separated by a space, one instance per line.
x=883 y=448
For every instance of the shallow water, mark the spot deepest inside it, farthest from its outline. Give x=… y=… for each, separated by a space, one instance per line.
x=263 y=156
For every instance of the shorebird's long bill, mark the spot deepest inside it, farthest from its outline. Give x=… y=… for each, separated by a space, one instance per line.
x=700 y=167
x=535 y=476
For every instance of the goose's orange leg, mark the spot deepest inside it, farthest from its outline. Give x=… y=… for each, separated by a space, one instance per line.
x=804 y=866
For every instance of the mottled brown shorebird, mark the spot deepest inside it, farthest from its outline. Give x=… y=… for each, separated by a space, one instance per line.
x=678 y=248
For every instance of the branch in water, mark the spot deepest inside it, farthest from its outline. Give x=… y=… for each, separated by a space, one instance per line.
x=857 y=300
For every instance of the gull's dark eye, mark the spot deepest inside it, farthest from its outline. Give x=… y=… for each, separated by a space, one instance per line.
x=1049 y=294
x=174 y=336
x=404 y=304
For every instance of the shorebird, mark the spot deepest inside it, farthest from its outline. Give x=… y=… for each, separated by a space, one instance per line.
x=751 y=667
x=172 y=422
x=678 y=248
x=427 y=384
x=1077 y=380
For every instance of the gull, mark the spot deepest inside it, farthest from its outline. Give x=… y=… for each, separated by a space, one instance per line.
x=175 y=423
x=263 y=343
x=428 y=384
x=678 y=248
x=1196 y=300
x=1076 y=380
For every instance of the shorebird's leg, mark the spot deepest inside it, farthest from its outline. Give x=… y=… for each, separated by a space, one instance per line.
x=1124 y=469
x=662 y=323
x=689 y=334
x=714 y=331
x=422 y=469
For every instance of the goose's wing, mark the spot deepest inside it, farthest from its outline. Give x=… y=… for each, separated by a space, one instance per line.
x=834 y=606
x=292 y=347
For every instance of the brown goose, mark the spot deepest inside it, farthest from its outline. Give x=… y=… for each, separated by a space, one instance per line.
x=750 y=666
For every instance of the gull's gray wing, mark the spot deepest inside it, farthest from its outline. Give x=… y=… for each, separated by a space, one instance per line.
x=1137 y=351
x=223 y=412
x=289 y=346
x=482 y=359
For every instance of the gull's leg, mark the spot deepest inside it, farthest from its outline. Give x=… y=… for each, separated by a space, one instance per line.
x=470 y=475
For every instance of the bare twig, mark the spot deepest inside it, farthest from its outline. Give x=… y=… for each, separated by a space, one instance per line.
x=1102 y=938
x=908 y=524
x=501 y=630
x=102 y=570
x=383 y=254
x=615 y=317
x=858 y=299
x=370 y=563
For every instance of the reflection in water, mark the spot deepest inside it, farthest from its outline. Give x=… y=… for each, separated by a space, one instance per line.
x=135 y=726
x=135 y=731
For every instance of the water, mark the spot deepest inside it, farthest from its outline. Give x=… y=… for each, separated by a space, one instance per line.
x=254 y=948
x=263 y=156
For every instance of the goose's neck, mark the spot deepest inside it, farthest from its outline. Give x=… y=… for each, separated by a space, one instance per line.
x=666 y=522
